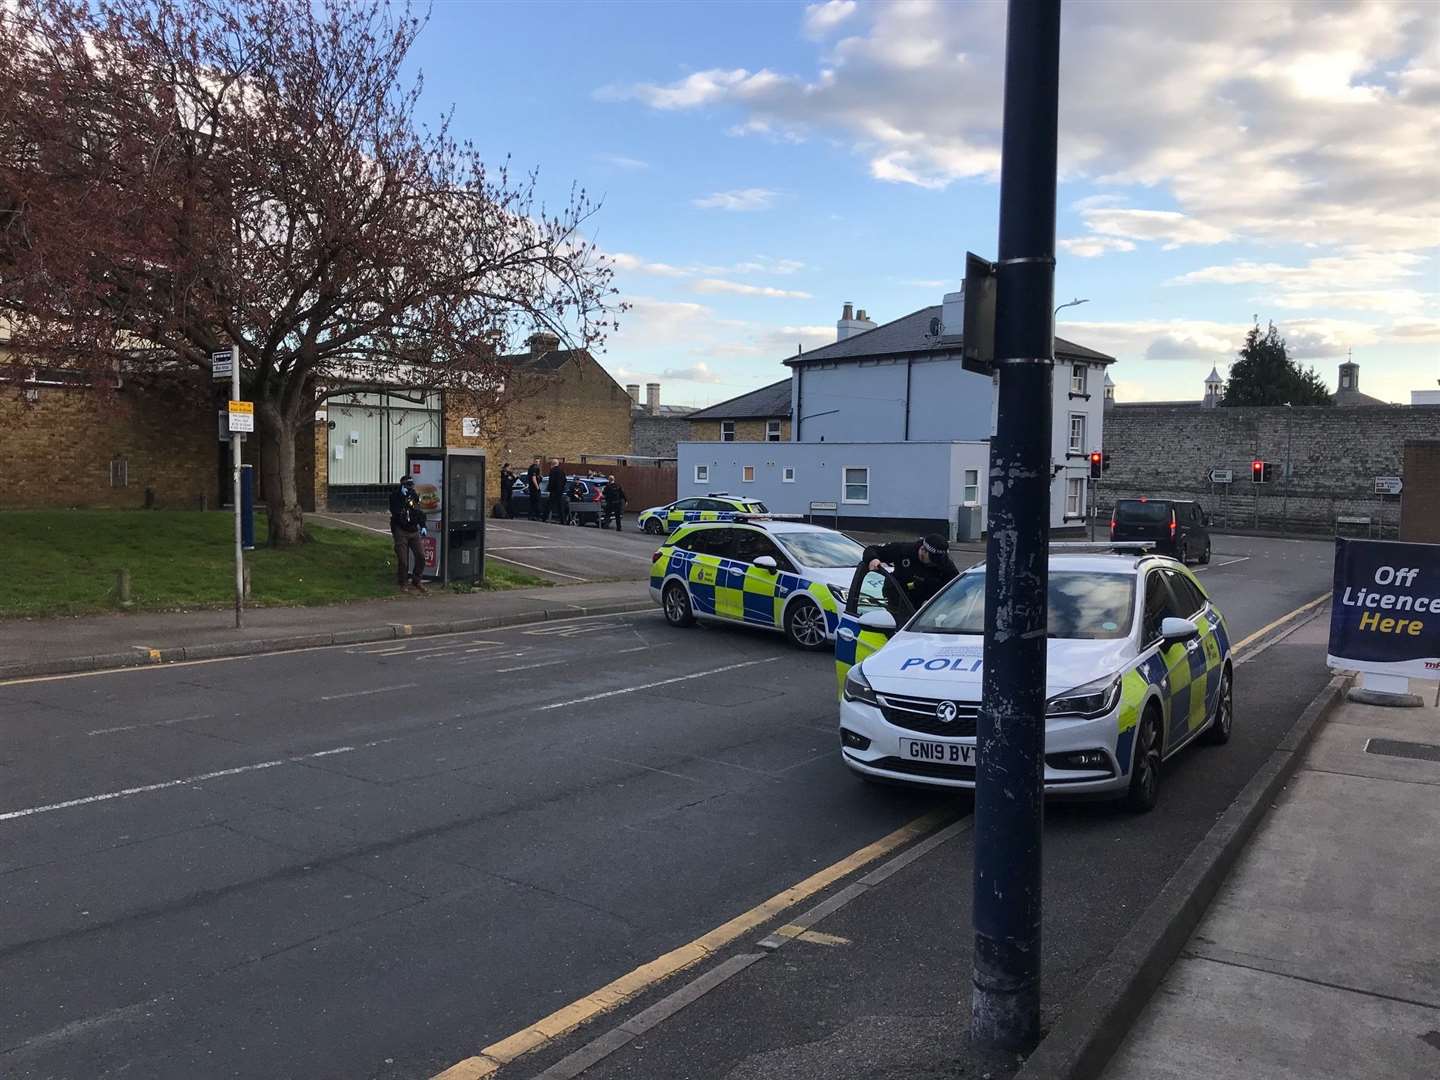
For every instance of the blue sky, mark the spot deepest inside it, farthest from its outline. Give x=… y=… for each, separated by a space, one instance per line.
x=762 y=163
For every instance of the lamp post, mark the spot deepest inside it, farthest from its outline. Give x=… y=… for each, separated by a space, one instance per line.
x=1073 y=303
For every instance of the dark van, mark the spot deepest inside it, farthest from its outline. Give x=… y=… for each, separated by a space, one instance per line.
x=1176 y=527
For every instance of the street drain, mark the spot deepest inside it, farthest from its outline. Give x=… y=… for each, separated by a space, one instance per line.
x=1420 y=751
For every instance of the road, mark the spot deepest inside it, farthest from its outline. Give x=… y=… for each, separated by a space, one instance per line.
x=373 y=861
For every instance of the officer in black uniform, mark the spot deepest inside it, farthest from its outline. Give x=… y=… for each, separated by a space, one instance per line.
x=922 y=567
x=407 y=526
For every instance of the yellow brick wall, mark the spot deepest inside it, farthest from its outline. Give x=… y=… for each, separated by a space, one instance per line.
x=745 y=430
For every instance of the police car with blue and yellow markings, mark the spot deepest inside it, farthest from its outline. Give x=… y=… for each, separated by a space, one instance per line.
x=756 y=570
x=717 y=506
x=1138 y=666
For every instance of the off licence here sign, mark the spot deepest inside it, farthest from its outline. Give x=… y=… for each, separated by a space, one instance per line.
x=242 y=416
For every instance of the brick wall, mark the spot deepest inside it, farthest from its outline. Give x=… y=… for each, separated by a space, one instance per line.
x=657 y=436
x=56 y=452
x=745 y=430
x=1420 y=503
x=313 y=484
x=1336 y=453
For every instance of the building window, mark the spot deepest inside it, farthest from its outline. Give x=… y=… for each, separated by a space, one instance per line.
x=119 y=472
x=857 y=484
x=972 y=486
x=1075 y=497
x=1077 y=433
x=787 y=474
x=1077 y=378
x=727 y=430
x=702 y=474
x=772 y=430
x=747 y=474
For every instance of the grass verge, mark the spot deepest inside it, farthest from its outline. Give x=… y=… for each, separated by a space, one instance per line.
x=64 y=562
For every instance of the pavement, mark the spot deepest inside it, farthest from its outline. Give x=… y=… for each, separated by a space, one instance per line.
x=380 y=859
x=1320 y=957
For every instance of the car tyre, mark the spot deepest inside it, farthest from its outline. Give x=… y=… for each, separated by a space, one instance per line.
x=805 y=625
x=676 y=603
x=1218 y=733
x=1205 y=558
x=652 y=527
x=1144 y=790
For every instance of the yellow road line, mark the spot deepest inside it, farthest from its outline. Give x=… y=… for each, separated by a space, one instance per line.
x=1283 y=618
x=621 y=990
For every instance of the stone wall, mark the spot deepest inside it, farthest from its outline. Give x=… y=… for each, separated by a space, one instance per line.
x=657 y=436
x=745 y=430
x=1420 y=503
x=1335 y=455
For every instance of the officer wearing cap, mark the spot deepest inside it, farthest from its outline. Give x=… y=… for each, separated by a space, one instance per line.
x=407 y=525
x=922 y=568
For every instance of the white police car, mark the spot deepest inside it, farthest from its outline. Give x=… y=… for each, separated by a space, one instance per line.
x=1139 y=665
x=717 y=506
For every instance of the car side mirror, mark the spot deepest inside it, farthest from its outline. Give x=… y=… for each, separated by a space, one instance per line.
x=1173 y=629
x=766 y=562
x=878 y=619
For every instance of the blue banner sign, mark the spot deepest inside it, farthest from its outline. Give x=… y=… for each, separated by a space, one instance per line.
x=1386 y=612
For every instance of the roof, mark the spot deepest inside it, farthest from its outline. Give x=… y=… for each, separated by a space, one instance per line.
x=1350 y=398
x=765 y=403
x=1214 y=375
x=910 y=335
x=552 y=360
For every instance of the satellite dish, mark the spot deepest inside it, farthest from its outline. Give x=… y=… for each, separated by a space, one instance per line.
x=935 y=326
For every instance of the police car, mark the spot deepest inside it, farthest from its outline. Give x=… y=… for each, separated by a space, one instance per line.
x=1139 y=666
x=757 y=570
x=717 y=506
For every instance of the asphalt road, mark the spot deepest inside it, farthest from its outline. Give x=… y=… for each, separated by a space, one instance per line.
x=374 y=861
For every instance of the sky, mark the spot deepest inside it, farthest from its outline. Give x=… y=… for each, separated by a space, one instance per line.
x=760 y=164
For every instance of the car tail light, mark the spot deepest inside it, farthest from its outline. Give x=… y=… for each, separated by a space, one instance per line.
x=1112 y=528
x=1172 y=524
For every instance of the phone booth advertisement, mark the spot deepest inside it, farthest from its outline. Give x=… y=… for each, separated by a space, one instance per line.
x=450 y=486
x=432 y=556
x=429 y=477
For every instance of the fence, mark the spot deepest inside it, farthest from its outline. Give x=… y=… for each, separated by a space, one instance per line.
x=645 y=485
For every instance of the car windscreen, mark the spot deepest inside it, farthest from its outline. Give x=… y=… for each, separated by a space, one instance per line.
x=1135 y=512
x=1082 y=604
x=755 y=507
x=822 y=549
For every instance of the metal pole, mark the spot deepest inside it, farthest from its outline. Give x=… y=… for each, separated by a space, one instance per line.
x=1009 y=788
x=235 y=492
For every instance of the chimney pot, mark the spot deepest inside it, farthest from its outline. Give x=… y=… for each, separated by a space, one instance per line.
x=848 y=312
x=652 y=398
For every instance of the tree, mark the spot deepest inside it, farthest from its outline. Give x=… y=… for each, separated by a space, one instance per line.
x=178 y=175
x=1264 y=374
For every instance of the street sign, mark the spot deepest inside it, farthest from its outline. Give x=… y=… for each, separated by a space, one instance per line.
x=1221 y=476
x=1388 y=485
x=220 y=365
x=242 y=416
x=978 y=340
x=225 y=433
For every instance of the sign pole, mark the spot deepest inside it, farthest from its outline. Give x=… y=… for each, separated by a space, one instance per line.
x=235 y=489
x=1009 y=776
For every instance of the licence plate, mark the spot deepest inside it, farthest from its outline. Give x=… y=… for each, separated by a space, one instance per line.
x=940 y=753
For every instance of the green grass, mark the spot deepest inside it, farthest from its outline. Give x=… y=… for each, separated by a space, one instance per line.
x=64 y=562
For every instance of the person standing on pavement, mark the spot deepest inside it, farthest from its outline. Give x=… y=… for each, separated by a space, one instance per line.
x=507 y=490
x=922 y=567
x=407 y=526
x=559 y=497
x=532 y=489
x=614 y=502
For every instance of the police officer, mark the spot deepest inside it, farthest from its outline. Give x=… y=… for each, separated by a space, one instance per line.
x=407 y=526
x=532 y=489
x=507 y=490
x=614 y=502
x=559 y=507
x=922 y=568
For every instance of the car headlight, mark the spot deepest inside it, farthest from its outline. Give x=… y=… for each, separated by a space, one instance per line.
x=838 y=593
x=1091 y=700
x=858 y=688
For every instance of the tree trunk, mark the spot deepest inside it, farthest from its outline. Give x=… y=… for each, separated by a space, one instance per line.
x=277 y=468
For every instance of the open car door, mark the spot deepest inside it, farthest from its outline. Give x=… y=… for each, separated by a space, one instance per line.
x=875 y=608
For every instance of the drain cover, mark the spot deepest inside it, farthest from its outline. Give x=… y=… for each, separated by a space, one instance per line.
x=1420 y=751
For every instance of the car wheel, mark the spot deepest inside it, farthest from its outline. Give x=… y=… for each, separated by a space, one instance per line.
x=805 y=625
x=1205 y=558
x=676 y=602
x=652 y=527
x=1144 y=791
x=1218 y=733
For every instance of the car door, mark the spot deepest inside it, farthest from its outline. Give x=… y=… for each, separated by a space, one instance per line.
x=711 y=549
x=675 y=516
x=1194 y=702
x=1174 y=657
x=763 y=590
x=870 y=590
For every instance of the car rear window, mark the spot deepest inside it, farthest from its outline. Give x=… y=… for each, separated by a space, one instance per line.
x=1135 y=512
x=1081 y=604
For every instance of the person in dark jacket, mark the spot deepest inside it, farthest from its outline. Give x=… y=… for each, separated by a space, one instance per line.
x=407 y=526
x=922 y=567
x=559 y=495
x=614 y=502
x=532 y=489
x=507 y=490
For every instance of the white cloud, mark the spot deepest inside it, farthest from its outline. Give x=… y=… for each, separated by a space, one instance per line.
x=820 y=19
x=1088 y=247
x=620 y=161
x=1115 y=228
x=782 y=340
x=634 y=264
x=697 y=373
x=719 y=285
x=1339 y=271
x=1415 y=330
x=740 y=200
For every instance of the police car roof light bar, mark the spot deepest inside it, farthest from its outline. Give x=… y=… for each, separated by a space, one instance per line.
x=1104 y=545
x=743 y=516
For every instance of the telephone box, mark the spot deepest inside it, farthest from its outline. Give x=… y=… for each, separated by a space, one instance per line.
x=450 y=484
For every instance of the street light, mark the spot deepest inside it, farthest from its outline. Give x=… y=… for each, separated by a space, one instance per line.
x=1072 y=303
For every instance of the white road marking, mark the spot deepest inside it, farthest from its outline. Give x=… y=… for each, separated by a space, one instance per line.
x=570 y=630
x=568 y=660
x=662 y=682
x=363 y=693
x=538 y=569
x=1232 y=562
x=144 y=789
x=453 y=645
x=151 y=723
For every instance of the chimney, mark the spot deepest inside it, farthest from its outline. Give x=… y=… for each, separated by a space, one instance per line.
x=652 y=398
x=633 y=389
x=541 y=342
x=952 y=315
x=847 y=313
x=852 y=322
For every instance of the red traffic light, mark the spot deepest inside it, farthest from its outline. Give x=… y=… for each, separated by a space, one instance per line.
x=1097 y=462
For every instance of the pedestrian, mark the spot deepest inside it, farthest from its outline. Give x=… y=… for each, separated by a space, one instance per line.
x=614 y=502
x=922 y=567
x=507 y=490
x=559 y=497
x=407 y=526
x=532 y=489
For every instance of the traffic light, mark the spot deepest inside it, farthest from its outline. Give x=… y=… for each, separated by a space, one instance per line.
x=1259 y=472
x=1097 y=462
